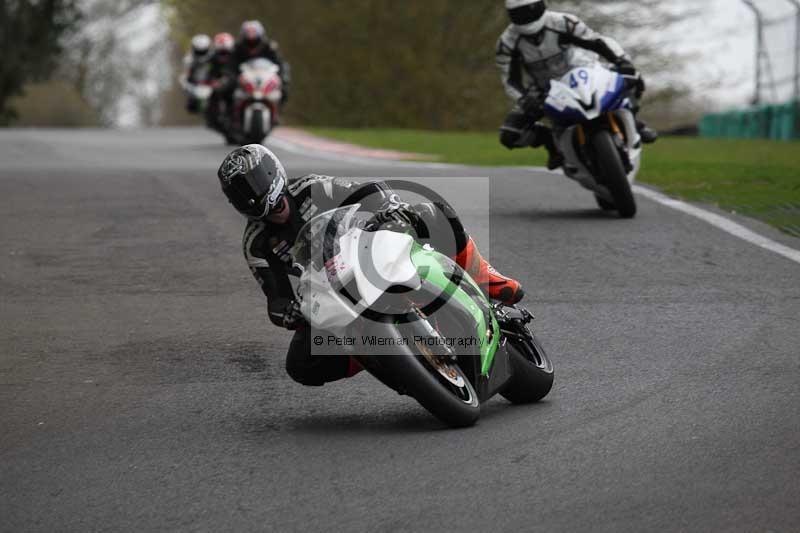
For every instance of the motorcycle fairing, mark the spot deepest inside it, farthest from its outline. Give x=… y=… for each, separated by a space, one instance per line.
x=584 y=94
x=257 y=96
x=383 y=259
x=376 y=261
x=439 y=271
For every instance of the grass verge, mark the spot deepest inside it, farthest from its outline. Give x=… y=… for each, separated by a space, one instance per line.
x=756 y=178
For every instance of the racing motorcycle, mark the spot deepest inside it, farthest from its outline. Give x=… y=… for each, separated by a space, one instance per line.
x=199 y=94
x=595 y=128
x=198 y=90
x=256 y=101
x=416 y=320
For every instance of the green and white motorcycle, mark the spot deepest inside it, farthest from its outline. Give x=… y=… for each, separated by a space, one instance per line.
x=413 y=318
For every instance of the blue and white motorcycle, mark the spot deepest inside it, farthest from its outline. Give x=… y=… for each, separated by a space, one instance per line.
x=595 y=129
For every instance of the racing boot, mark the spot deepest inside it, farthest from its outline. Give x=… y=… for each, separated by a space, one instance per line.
x=494 y=284
x=555 y=158
x=648 y=134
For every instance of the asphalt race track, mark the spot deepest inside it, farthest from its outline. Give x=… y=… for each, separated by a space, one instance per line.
x=142 y=388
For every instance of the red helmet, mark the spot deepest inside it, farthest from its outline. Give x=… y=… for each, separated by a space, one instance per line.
x=224 y=44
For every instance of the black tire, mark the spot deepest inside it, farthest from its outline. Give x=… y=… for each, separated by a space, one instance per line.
x=532 y=370
x=414 y=375
x=257 y=133
x=604 y=205
x=613 y=173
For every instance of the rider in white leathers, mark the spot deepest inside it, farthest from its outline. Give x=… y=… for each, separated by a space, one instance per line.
x=196 y=66
x=541 y=45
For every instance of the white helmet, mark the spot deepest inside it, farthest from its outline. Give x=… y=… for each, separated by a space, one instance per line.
x=527 y=16
x=201 y=45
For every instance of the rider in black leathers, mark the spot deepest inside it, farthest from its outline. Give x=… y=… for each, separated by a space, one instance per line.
x=276 y=207
x=252 y=44
x=223 y=83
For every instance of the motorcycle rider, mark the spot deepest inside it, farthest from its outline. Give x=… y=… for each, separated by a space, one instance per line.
x=255 y=183
x=252 y=44
x=196 y=68
x=541 y=45
x=220 y=79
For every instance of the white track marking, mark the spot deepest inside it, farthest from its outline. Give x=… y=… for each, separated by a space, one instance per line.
x=725 y=224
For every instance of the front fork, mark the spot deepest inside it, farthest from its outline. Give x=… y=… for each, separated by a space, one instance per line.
x=610 y=122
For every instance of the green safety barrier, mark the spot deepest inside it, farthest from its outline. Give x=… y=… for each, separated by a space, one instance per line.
x=778 y=122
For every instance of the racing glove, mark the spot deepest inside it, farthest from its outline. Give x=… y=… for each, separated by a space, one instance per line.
x=395 y=211
x=532 y=102
x=626 y=68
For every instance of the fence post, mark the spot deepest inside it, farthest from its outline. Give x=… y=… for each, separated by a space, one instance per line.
x=759 y=47
x=796 y=4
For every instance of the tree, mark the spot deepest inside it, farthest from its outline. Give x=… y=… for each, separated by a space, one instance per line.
x=30 y=34
x=426 y=64
x=114 y=61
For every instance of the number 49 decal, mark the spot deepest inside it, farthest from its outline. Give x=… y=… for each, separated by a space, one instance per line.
x=582 y=74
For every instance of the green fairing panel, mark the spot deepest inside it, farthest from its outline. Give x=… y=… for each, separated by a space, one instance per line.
x=438 y=270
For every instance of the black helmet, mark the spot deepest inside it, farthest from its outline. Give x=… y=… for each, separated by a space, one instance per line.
x=253 y=180
x=252 y=33
x=527 y=16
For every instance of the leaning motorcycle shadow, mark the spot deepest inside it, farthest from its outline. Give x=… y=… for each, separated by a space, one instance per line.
x=557 y=214
x=403 y=419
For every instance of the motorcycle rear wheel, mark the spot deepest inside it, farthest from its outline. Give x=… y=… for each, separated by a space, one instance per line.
x=613 y=173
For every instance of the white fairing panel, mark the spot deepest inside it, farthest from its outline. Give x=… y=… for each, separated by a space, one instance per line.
x=377 y=260
x=383 y=260
x=582 y=89
x=323 y=307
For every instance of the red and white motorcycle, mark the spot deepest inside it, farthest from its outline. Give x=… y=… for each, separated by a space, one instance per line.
x=256 y=101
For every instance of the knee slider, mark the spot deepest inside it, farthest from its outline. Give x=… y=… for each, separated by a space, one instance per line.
x=301 y=375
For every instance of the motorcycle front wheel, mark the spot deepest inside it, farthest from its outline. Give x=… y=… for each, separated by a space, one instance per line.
x=425 y=373
x=613 y=173
x=446 y=393
x=604 y=204
x=257 y=132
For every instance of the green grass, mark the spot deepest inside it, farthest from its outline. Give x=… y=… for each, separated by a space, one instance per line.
x=755 y=178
